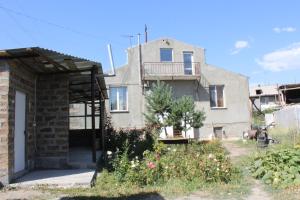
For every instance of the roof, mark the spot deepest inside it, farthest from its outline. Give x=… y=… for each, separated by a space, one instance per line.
x=165 y=38
x=289 y=86
x=44 y=61
x=266 y=90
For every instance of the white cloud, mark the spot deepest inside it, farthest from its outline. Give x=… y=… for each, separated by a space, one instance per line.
x=283 y=59
x=239 y=45
x=284 y=29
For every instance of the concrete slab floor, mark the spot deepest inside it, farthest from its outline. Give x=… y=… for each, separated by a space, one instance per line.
x=56 y=178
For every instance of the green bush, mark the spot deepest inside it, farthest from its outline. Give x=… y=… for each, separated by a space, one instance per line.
x=137 y=141
x=279 y=168
x=202 y=161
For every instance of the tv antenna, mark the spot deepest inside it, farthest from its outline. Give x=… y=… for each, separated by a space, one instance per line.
x=130 y=37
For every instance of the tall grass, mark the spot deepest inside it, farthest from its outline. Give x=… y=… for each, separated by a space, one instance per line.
x=286 y=137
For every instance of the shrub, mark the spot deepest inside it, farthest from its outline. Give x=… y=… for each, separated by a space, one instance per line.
x=207 y=162
x=137 y=141
x=279 y=168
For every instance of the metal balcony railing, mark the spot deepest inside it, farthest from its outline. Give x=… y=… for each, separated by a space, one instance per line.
x=171 y=69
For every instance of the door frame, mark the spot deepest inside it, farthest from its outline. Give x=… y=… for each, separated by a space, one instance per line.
x=22 y=172
x=192 y=61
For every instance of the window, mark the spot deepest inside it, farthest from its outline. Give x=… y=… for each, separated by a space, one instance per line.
x=267 y=100
x=188 y=63
x=80 y=116
x=166 y=55
x=258 y=92
x=118 y=98
x=216 y=96
x=218 y=132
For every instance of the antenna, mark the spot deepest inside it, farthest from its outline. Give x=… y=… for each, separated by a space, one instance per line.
x=146 y=33
x=111 y=59
x=130 y=38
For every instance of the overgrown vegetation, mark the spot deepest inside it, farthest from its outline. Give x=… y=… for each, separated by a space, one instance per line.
x=279 y=168
x=206 y=162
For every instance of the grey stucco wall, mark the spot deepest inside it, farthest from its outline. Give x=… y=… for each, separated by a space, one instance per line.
x=234 y=118
x=288 y=117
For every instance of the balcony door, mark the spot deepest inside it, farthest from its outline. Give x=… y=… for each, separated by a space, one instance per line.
x=188 y=63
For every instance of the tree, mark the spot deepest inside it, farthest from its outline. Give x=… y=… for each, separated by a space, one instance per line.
x=183 y=115
x=163 y=110
x=159 y=102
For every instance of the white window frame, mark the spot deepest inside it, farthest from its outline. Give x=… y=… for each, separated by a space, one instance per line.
x=192 y=60
x=118 y=99
x=216 y=96
x=160 y=55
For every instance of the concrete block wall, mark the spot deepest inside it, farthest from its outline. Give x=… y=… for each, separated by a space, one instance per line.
x=23 y=80
x=14 y=76
x=4 y=88
x=52 y=121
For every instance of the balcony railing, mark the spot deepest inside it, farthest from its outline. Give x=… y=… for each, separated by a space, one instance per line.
x=159 y=69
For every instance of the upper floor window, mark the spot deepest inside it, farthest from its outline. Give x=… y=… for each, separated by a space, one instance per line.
x=216 y=96
x=166 y=55
x=118 y=98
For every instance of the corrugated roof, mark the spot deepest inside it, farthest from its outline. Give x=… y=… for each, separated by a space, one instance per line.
x=45 y=61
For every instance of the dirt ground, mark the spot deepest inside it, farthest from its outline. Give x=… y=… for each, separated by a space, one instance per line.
x=23 y=194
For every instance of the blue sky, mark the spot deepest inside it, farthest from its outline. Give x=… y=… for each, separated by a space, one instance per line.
x=259 y=39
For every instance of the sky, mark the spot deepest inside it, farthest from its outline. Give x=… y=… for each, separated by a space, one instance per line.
x=256 y=38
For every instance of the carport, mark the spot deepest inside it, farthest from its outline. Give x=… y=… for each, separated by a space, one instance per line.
x=39 y=85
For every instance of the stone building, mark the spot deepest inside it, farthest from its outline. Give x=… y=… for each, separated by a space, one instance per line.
x=36 y=88
x=222 y=94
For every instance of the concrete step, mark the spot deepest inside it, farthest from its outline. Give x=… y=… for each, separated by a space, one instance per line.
x=81 y=165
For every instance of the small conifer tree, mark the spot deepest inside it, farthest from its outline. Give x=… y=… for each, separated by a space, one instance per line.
x=159 y=102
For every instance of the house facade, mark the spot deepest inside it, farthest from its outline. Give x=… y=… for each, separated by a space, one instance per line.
x=221 y=94
x=37 y=87
x=264 y=97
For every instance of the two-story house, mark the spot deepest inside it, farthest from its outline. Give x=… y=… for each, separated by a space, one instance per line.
x=221 y=94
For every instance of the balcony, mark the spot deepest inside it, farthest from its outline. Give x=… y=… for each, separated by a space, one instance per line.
x=171 y=71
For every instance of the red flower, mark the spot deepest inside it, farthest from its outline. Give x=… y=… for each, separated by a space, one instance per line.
x=151 y=165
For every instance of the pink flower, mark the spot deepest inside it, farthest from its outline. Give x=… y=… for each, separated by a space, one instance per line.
x=151 y=165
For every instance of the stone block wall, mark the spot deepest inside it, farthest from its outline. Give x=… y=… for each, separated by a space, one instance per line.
x=14 y=76
x=23 y=80
x=4 y=87
x=52 y=121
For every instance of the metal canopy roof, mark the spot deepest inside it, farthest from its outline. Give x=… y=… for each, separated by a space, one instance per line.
x=44 y=61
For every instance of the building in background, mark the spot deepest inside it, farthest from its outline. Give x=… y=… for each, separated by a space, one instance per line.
x=264 y=97
x=223 y=95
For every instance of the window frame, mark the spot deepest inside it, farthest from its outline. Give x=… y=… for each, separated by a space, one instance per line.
x=172 y=55
x=216 y=97
x=192 y=62
x=118 y=99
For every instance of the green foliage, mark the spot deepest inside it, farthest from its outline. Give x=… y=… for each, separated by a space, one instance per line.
x=206 y=162
x=183 y=110
x=279 y=168
x=136 y=141
x=159 y=102
x=163 y=111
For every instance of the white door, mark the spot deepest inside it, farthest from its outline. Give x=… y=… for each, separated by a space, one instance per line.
x=19 y=138
x=188 y=63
